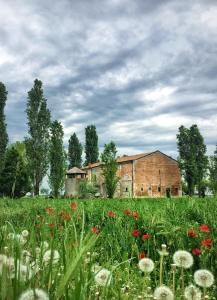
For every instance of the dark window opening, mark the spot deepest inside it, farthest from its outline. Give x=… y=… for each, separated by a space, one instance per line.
x=159 y=189
x=149 y=188
x=141 y=189
x=126 y=190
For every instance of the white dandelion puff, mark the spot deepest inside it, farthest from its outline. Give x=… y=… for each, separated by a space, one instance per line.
x=3 y=261
x=34 y=267
x=96 y=268
x=163 y=293
x=24 y=273
x=34 y=294
x=11 y=236
x=163 y=251
x=192 y=293
x=146 y=265
x=51 y=256
x=103 y=277
x=44 y=245
x=25 y=233
x=26 y=257
x=204 y=278
x=10 y=264
x=183 y=259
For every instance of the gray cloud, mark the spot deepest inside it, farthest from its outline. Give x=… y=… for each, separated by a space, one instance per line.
x=137 y=69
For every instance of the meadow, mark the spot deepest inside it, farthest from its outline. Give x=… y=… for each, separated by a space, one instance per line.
x=108 y=249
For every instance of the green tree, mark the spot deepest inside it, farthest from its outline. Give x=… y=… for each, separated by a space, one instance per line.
x=213 y=172
x=14 y=179
x=109 y=168
x=74 y=152
x=192 y=158
x=37 y=145
x=3 y=132
x=91 y=145
x=57 y=158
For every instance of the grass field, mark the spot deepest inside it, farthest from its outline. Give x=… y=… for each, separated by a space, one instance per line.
x=87 y=236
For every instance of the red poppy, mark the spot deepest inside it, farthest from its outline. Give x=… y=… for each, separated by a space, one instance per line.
x=111 y=214
x=141 y=255
x=204 y=228
x=135 y=232
x=50 y=210
x=66 y=216
x=95 y=230
x=59 y=224
x=196 y=251
x=146 y=236
x=191 y=232
x=78 y=216
x=127 y=212
x=135 y=215
x=207 y=243
x=73 y=205
x=51 y=225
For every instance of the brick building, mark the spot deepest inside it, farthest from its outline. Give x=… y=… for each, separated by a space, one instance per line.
x=148 y=174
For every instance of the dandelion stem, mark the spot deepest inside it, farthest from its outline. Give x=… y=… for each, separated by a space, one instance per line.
x=161 y=269
x=182 y=280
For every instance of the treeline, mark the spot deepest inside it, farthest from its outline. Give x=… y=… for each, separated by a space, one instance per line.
x=23 y=165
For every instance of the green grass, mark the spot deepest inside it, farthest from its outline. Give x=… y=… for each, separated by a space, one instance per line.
x=114 y=248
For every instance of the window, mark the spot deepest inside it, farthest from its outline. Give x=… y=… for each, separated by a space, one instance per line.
x=142 y=189
x=149 y=188
x=126 y=190
x=159 y=189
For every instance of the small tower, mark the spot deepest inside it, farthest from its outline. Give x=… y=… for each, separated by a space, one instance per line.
x=73 y=178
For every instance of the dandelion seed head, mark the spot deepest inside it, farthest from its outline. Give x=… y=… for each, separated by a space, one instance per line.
x=34 y=294
x=44 y=245
x=204 y=278
x=24 y=273
x=163 y=293
x=51 y=256
x=26 y=257
x=192 y=293
x=25 y=233
x=183 y=259
x=3 y=260
x=146 y=265
x=103 y=277
x=11 y=236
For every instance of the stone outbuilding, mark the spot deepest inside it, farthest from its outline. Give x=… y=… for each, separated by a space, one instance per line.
x=73 y=178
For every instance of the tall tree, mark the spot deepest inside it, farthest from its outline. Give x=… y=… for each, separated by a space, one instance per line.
x=14 y=179
x=192 y=157
x=37 y=145
x=91 y=145
x=57 y=158
x=109 y=168
x=74 y=152
x=3 y=132
x=213 y=172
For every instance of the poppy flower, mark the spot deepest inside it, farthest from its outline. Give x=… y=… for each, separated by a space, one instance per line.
x=59 y=224
x=50 y=210
x=207 y=243
x=66 y=216
x=95 y=230
x=61 y=214
x=191 y=232
x=146 y=236
x=51 y=225
x=78 y=216
x=135 y=232
x=73 y=205
x=111 y=214
x=135 y=215
x=142 y=255
x=204 y=228
x=127 y=212
x=196 y=251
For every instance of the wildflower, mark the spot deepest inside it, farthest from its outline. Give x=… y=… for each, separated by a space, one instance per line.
x=207 y=243
x=141 y=255
x=204 y=278
x=191 y=232
x=51 y=225
x=34 y=294
x=196 y=251
x=66 y=216
x=59 y=224
x=95 y=230
x=44 y=245
x=103 y=277
x=25 y=233
x=10 y=263
x=78 y=216
x=204 y=228
x=24 y=273
x=73 y=205
x=163 y=251
x=11 y=236
x=192 y=293
x=183 y=259
x=146 y=236
x=50 y=210
x=26 y=256
x=135 y=215
x=3 y=260
x=111 y=214
x=146 y=265
x=51 y=256
x=163 y=293
x=127 y=212
x=34 y=267
x=135 y=232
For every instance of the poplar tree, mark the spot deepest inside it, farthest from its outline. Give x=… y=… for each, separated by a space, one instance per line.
x=74 y=152
x=3 y=131
x=57 y=158
x=213 y=172
x=37 y=144
x=91 y=145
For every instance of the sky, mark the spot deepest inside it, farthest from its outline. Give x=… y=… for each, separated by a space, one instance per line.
x=137 y=69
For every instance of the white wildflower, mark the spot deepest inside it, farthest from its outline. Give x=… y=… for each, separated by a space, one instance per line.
x=103 y=277
x=24 y=273
x=163 y=251
x=44 y=245
x=25 y=233
x=37 y=251
x=34 y=294
x=26 y=257
x=146 y=265
x=50 y=255
x=204 y=278
x=96 y=268
x=10 y=263
x=11 y=236
x=3 y=260
x=192 y=293
x=163 y=293
x=34 y=267
x=183 y=259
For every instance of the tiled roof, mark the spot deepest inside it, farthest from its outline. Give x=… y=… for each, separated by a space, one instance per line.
x=75 y=170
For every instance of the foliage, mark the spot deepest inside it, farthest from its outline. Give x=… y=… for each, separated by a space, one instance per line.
x=14 y=179
x=91 y=145
x=37 y=145
x=213 y=172
x=74 y=152
x=57 y=158
x=3 y=132
x=109 y=168
x=87 y=189
x=192 y=157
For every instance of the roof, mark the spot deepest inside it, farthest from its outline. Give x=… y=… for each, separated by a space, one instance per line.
x=75 y=170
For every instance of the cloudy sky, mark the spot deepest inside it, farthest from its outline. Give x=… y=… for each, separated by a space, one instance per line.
x=137 y=69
